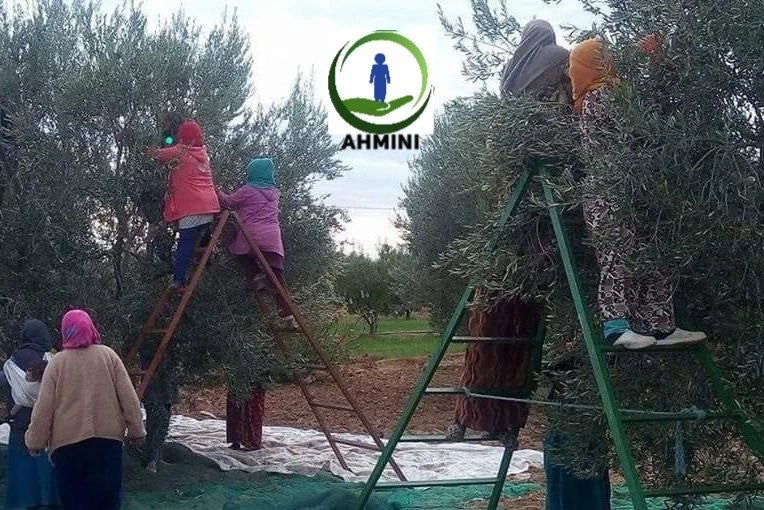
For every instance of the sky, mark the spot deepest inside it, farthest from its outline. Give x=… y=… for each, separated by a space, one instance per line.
x=291 y=36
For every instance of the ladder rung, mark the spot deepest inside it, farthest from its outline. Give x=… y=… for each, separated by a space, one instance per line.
x=436 y=483
x=158 y=331
x=357 y=444
x=491 y=339
x=477 y=393
x=333 y=406
x=444 y=391
x=136 y=372
x=441 y=439
x=686 y=416
x=704 y=489
x=655 y=348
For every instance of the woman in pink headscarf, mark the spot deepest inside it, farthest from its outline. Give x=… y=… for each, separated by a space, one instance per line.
x=85 y=405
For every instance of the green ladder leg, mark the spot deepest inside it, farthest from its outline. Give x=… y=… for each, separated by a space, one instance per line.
x=501 y=478
x=752 y=436
x=416 y=397
x=595 y=354
x=519 y=190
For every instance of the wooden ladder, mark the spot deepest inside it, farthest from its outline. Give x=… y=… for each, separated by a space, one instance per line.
x=159 y=315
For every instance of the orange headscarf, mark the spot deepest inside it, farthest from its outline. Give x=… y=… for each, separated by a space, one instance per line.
x=591 y=67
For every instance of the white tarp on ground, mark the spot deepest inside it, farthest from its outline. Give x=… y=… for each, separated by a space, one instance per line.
x=306 y=452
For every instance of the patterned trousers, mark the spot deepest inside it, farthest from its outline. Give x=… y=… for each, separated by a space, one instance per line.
x=244 y=420
x=646 y=301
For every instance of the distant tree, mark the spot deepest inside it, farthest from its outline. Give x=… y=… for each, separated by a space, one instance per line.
x=373 y=287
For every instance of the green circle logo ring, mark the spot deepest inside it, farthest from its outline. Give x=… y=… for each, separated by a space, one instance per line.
x=347 y=107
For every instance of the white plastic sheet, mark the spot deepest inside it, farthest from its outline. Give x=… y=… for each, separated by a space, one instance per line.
x=306 y=452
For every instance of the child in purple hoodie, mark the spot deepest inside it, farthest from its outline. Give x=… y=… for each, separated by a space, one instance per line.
x=257 y=203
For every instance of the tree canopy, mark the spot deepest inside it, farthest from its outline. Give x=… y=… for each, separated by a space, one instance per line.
x=83 y=91
x=685 y=152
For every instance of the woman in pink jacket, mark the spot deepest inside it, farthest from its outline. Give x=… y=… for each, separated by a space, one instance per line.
x=191 y=200
x=257 y=203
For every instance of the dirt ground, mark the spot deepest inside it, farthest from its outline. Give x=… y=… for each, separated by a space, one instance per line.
x=382 y=387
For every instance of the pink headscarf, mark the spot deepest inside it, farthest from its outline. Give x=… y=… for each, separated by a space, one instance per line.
x=78 y=330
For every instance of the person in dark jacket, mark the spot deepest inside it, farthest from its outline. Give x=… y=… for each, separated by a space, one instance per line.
x=30 y=482
x=160 y=395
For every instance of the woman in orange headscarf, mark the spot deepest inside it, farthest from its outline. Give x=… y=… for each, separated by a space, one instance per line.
x=637 y=313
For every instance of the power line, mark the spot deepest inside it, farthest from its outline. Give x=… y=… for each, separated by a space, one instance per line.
x=361 y=207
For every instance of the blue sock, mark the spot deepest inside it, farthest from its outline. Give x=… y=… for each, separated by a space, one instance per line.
x=614 y=328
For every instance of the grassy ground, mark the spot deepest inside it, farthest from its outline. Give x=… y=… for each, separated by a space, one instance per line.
x=395 y=338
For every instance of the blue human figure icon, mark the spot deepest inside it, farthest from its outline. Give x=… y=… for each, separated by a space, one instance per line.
x=380 y=77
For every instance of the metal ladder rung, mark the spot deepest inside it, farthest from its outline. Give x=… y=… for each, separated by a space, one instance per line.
x=704 y=489
x=441 y=439
x=686 y=416
x=444 y=391
x=436 y=483
x=357 y=444
x=474 y=393
x=492 y=339
x=655 y=348
x=157 y=331
x=333 y=406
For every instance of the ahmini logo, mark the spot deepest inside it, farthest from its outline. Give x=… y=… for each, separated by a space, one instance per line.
x=394 y=99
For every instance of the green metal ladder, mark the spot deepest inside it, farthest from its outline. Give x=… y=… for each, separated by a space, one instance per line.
x=616 y=417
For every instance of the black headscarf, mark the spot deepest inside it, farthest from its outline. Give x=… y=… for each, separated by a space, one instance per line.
x=35 y=342
x=535 y=55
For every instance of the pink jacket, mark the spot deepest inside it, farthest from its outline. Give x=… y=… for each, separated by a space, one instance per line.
x=190 y=190
x=259 y=211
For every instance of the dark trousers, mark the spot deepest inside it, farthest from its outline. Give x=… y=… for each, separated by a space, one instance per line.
x=157 y=425
x=185 y=252
x=89 y=474
x=251 y=269
x=565 y=491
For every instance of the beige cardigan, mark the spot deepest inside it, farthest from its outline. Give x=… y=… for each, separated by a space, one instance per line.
x=85 y=393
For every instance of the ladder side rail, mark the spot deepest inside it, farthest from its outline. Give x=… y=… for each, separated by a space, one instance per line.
x=148 y=325
x=266 y=268
x=751 y=435
x=307 y=332
x=516 y=195
x=187 y=295
x=595 y=355
x=262 y=303
x=416 y=397
x=501 y=478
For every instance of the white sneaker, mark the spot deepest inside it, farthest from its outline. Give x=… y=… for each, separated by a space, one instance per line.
x=680 y=336
x=631 y=340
